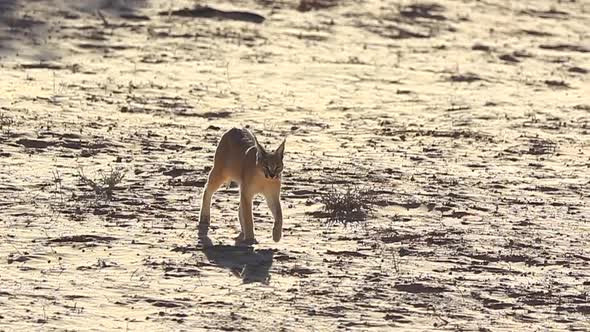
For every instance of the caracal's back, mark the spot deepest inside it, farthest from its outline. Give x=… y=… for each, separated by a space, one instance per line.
x=230 y=156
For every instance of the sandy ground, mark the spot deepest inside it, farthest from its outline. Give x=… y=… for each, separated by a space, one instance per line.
x=470 y=121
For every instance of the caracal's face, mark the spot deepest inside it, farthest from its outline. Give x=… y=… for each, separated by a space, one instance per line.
x=270 y=163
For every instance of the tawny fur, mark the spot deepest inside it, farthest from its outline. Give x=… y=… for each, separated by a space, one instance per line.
x=241 y=159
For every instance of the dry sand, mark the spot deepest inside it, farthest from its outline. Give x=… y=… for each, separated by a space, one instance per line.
x=470 y=121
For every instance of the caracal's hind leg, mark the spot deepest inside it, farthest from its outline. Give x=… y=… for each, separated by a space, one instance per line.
x=240 y=236
x=247 y=221
x=215 y=180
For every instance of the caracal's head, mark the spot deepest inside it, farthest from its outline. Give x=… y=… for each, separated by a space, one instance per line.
x=271 y=163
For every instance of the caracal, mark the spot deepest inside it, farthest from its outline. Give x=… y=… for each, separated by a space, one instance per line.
x=241 y=159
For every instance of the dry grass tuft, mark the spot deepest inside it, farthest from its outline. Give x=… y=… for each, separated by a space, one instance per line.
x=538 y=146
x=348 y=206
x=106 y=184
x=5 y=121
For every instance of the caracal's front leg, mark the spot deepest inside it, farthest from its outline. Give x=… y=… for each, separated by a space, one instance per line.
x=273 y=201
x=247 y=219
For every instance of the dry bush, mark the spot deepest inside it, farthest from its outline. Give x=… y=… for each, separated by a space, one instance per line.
x=538 y=146
x=5 y=122
x=105 y=184
x=347 y=206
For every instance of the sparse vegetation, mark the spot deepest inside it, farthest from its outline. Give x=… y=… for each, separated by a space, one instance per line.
x=348 y=206
x=5 y=122
x=105 y=184
x=538 y=146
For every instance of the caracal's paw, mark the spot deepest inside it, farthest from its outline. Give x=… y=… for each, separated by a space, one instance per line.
x=246 y=242
x=203 y=229
x=240 y=237
x=277 y=233
x=204 y=241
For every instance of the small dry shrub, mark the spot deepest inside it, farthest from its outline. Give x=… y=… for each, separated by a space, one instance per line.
x=6 y=122
x=105 y=184
x=538 y=146
x=347 y=206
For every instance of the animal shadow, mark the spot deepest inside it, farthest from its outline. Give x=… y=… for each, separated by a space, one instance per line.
x=244 y=262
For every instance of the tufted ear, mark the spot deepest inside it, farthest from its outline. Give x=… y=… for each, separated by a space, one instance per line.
x=260 y=152
x=259 y=147
x=281 y=149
